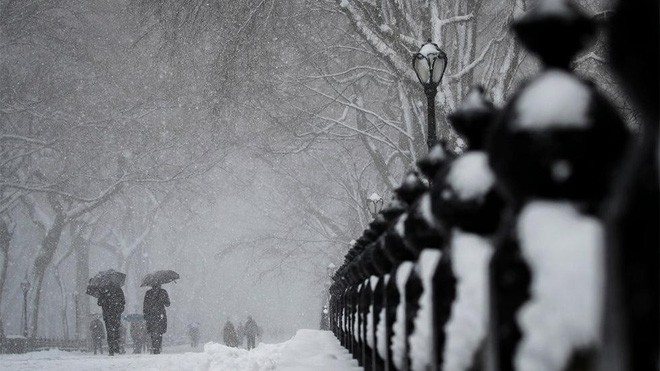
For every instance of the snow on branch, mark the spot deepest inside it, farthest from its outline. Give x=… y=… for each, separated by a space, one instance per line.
x=457 y=76
x=588 y=56
x=455 y=19
x=23 y=138
x=373 y=36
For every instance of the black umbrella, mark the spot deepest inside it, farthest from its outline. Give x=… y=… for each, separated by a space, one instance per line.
x=134 y=317
x=94 y=291
x=108 y=278
x=159 y=278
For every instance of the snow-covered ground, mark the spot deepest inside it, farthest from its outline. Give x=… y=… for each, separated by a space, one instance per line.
x=307 y=350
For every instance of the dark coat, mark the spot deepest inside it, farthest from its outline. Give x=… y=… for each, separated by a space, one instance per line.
x=251 y=328
x=111 y=301
x=155 y=301
x=96 y=329
x=229 y=335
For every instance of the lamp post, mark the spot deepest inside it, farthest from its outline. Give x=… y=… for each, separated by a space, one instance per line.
x=76 y=301
x=330 y=269
x=429 y=64
x=25 y=286
x=374 y=203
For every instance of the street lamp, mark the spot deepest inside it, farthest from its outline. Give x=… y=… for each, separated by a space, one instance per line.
x=429 y=64
x=76 y=302
x=330 y=269
x=374 y=203
x=25 y=286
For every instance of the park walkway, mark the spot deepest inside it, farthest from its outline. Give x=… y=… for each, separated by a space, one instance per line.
x=307 y=350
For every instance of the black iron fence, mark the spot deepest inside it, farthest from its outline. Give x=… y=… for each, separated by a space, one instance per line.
x=535 y=249
x=19 y=344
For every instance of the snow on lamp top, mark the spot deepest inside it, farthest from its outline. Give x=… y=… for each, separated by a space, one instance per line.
x=556 y=99
x=375 y=197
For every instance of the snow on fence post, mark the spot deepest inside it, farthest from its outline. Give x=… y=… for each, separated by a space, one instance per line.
x=554 y=151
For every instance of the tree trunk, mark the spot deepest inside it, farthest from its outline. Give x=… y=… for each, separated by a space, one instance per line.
x=83 y=312
x=41 y=263
x=64 y=306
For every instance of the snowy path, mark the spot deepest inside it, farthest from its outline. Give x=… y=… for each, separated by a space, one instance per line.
x=307 y=350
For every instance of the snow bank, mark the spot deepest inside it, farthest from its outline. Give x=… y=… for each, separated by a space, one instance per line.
x=564 y=249
x=264 y=357
x=399 y=328
x=467 y=324
x=554 y=99
x=421 y=340
x=314 y=350
x=307 y=350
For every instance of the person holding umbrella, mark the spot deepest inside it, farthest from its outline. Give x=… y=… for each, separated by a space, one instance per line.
x=107 y=285
x=155 y=301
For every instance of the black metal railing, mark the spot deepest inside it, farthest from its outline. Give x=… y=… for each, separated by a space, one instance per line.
x=537 y=248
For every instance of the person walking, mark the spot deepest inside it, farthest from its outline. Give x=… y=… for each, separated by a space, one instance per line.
x=112 y=301
x=229 y=335
x=251 y=331
x=155 y=301
x=138 y=335
x=193 y=333
x=97 y=333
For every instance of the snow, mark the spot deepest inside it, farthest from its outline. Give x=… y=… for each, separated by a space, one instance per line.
x=375 y=197
x=400 y=226
x=307 y=350
x=555 y=7
x=356 y=318
x=425 y=208
x=373 y=281
x=474 y=101
x=470 y=176
x=370 y=327
x=381 y=341
x=467 y=324
x=564 y=249
x=421 y=340
x=428 y=49
x=399 y=327
x=437 y=153
x=555 y=99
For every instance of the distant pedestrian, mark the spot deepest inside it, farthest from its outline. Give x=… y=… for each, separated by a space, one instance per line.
x=138 y=331
x=251 y=332
x=240 y=333
x=112 y=301
x=97 y=334
x=229 y=335
x=193 y=334
x=155 y=301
